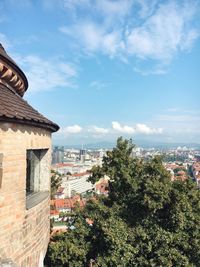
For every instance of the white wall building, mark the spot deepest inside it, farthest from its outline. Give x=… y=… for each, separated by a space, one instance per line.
x=77 y=184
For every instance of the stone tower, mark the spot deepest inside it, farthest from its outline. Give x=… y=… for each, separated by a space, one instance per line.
x=25 y=156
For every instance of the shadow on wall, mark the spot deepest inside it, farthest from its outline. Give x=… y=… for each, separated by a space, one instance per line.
x=6 y=126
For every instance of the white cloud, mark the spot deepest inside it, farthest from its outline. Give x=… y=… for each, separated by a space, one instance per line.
x=46 y=74
x=104 y=7
x=98 y=130
x=111 y=28
x=43 y=74
x=93 y=37
x=122 y=129
x=146 y=7
x=95 y=131
x=179 y=128
x=164 y=33
x=119 y=8
x=74 y=129
x=189 y=39
x=138 y=129
x=144 y=129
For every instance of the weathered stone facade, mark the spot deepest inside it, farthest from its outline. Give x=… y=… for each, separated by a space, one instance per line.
x=24 y=234
x=24 y=219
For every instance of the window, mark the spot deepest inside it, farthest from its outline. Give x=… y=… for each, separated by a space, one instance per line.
x=37 y=176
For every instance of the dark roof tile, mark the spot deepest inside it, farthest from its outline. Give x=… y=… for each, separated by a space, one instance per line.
x=5 y=55
x=15 y=108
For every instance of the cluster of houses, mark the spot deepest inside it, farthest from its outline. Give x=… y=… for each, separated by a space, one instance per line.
x=66 y=205
x=62 y=204
x=177 y=170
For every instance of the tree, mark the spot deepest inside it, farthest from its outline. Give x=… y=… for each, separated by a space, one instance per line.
x=56 y=180
x=146 y=220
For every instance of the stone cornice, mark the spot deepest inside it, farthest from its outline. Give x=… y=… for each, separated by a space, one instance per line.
x=13 y=77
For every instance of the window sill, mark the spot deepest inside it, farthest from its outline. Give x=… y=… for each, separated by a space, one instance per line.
x=34 y=199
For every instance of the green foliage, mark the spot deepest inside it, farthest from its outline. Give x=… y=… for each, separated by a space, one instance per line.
x=174 y=158
x=63 y=214
x=56 y=179
x=146 y=220
x=189 y=171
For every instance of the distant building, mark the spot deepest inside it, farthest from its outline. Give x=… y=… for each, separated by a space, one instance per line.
x=66 y=205
x=82 y=155
x=58 y=155
x=72 y=168
x=102 y=186
x=25 y=156
x=76 y=183
x=177 y=171
x=59 y=194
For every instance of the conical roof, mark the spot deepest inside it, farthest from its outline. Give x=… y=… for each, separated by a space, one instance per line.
x=13 y=108
x=4 y=55
x=11 y=73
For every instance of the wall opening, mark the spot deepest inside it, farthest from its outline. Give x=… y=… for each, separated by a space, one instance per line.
x=37 y=176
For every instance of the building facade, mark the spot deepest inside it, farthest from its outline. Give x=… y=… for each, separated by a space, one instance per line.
x=25 y=156
x=76 y=183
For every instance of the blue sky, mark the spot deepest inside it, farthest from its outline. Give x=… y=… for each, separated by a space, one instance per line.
x=106 y=68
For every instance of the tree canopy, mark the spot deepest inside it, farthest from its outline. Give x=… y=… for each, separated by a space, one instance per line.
x=146 y=220
x=56 y=180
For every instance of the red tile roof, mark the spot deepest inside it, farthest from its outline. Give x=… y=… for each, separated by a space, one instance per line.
x=59 y=165
x=67 y=203
x=54 y=212
x=80 y=174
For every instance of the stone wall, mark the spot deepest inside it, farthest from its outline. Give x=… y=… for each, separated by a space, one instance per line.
x=24 y=233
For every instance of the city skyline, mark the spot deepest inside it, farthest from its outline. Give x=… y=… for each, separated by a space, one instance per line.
x=102 y=69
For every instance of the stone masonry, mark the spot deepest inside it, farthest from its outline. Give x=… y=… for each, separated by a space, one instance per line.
x=25 y=157
x=24 y=234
